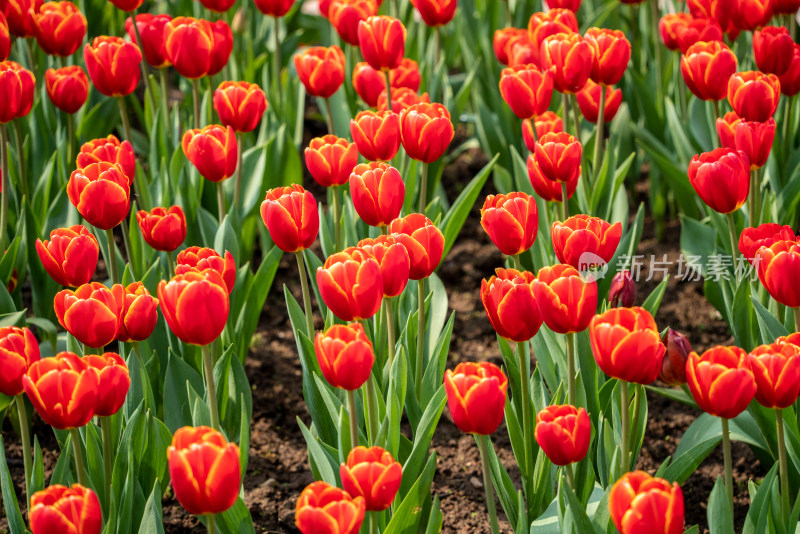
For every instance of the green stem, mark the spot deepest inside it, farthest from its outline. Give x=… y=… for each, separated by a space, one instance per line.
x=625 y=416
x=726 y=450
x=599 y=141
x=732 y=235
x=301 y=266
x=370 y=399
x=483 y=447
x=162 y=75
x=171 y=263
x=571 y=387
x=78 y=453
x=517 y=262
x=420 y=335
x=237 y=192
x=570 y=476
x=277 y=61
x=196 y=101
x=70 y=137
x=390 y=330
x=576 y=117
x=212 y=524
x=524 y=364
x=329 y=116
x=21 y=159
x=105 y=426
x=337 y=218
x=220 y=202
x=796 y=319
x=25 y=436
x=637 y=401
x=29 y=53
x=126 y=123
x=756 y=196
x=208 y=369
x=353 y=413
x=783 y=464
x=126 y=241
x=373 y=522
x=788 y=111
x=564 y=112
x=564 y=202
x=6 y=186
x=423 y=189
x=656 y=45
x=148 y=86
x=388 y=89
x=112 y=256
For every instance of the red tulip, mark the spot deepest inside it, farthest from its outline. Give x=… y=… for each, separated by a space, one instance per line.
x=510 y=305
x=754 y=95
x=476 y=396
x=393 y=261
x=101 y=192
x=321 y=70
x=368 y=83
x=127 y=5
x=423 y=240
x=763 y=235
x=345 y=16
x=698 y=31
x=405 y=75
x=776 y=369
x=195 y=305
x=373 y=474
x=566 y=301
x=589 y=102
x=330 y=160
x=721 y=178
x=196 y=47
x=721 y=381
x=790 y=80
x=18 y=351
x=59 y=28
x=350 y=284
x=571 y=58
x=511 y=221
x=622 y=291
x=63 y=390
x=212 y=150
x=558 y=157
x=345 y=355
x=785 y=7
x=402 y=99
x=151 y=30
x=668 y=28
x=110 y=150
x=21 y=15
x=323 y=508
x=581 y=239
x=376 y=135
x=291 y=217
x=92 y=313
x=547 y=122
x=426 y=131
x=502 y=38
x=139 y=314
x=772 y=49
x=612 y=52
x=641 y=503
x=751 y=14
x=382 y=41
x=70 y=510
x=274 y=8
x=436 y=13
x=218 y=6
x=67 y=87
x=527 y=90
x=720 y=10
x=70 y=256
x=673 y=367
x=240 y=105
x=546 y=188
x=706 y=69
x=778 y=269
x=162 y=228
x=205 y=259
x=378 y=193
x=563 y=432
x=113 y=65
x=113 y=382
x=542 y=25
x=5 y=38
x=572 y=5
x=17 y=85
x=752 y=138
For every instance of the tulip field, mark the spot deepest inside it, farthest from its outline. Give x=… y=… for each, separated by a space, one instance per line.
x=399 y=266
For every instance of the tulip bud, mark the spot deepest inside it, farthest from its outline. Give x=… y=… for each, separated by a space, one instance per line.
x=563 y=433
x=423 y=240
x=343 y=271
x=113 y=65
x=673 y=368
x=291 y=217
x=566 y=301
x=70 y=256
x=721 y=178
x=239 y=24
x=18 y=351
x=63 y=390
x=426 y=131
x=60 y=28
x=61 y=509
x=641 y=503
x=330 y=160
x=778 y=269
x=476 y=396
x=321 y=505
x=139 y=314
x=205 y=259
x=113 y=382
x=195 y=306
x=371 y=473
x=721 y=381
x=622 y=291
x=67 y=87
x=378 y=192
x=321 y=70
x=163 y=229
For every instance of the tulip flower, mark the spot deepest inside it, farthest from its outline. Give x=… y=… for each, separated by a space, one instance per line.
x=772 y=49
x=59 y=27
x=558 y=157
x=163 y=229
x=612 y=51
x=436 y=13
x=291 y=217
x=382 y=41
x=61 y=509
x=572 y=5
x=776 y=369
x=393 y=261
x=423 y=240
x=571 y=57
x=752 y=138
x=368 y=83
x=92 y=313
x=127 y=5
x=527 y=90
x=785 y=7
x=622 y=291
x=668 y=27
x=519 y=51
x=511 y=221
x=345 y=355
x=707 y=67
x=139 y=314
x=113 y=65
x=673 y=367
x=113 y=382
x=547 y=122
x=589 y=101
x=778 y=268
x=70 y=255
x=764 y=235
x=790 y=80
x=721 y=178
x=501 y=39
x=378 y=192
x=754 y=95
x=330 y=160
x=641 y=503
x=321 y=70
x=151 y=31
x=582 y=238
x=476 y=396
x=721 y=381
x=426 y=131
x=350 y=284
x=100 y=192
x=405 y=75
x=546 y=188
x=20 y=15
x=240 y=105
x=402 y=99
x=751 y=14
x=376 y=135
x=563 y=433
x=17 y=85
x=5 y=38
x=274 y=8
x=197 y=47
x=373 y=474
x=566 y=300
x=697 y=30
x=542 y=25
x=205 y=259
x=18 y=351
x=212 y=150
x=324 y=508
x=718 y=10
x=195 y=305
x=67 y=87
x=110 y=150
x=510 y=305
x=345 y=16
x=218 y=6
x=204 y=469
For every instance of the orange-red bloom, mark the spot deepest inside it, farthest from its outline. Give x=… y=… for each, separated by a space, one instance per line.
x=721 y=178
x=571 y=58
x=754 y=95
x=291 y=217
x=423 y=240
x=763 y=235
x=393 y=261
x=566 y=300
x=751 y=14
x=67 y=87
x=345 y=355
x=61 y=509
x=70 y=256
x=350 y=284
x=697 y=30
x=195 y=305
x=197 y=47
x=151 y=30
x=721 y=381
x=63 y=390
x=546 y=188
x=18 y=351
x=612 y=51
x=113 y=65
x=405 y=75
x=502 y=38
x=572 y=5
x=345 y=16
x=476 y=396
x=402 y=99
x=17 y=86
x=668 y=28
x=776 y=369
x=111 y=150
x=127 y=5
x=547 y=122
x=368 y=83
x=436 y=12
x=673 y=367
x=321 y=70
x=92 y=313
x=778 y=269
x=563 y=432
x=372 y=473
x=205 y=259
x=376 y=135
x=204 y=469
x=240 y=105
x=509 y=303
x=772 y=49
x=720 y=10
x=589 y=102
x=113 y=382
x=558 y=156
x=139 y=314
x=626 y=344
x=162 y=228
x=331 y=159
x=786 y=7
x=707 y=67
x=582 y=238
x=426 y=131
x=101 y=192
x=5 y=38
x=382 y=40
x=542 y=25
x=378 y=192
x=790 y=80
x=21 y=15
x=527 y=90
x=60 y=28
x=274 y=8
x=213 y=150
x=641 y=503
x=752 y=138
x=324 y=508
x=218 y=6
x=511 y=221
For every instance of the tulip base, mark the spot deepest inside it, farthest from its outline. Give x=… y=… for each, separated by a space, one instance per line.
x=726 y=451
x=483 y=447
x=75 y=436
x=25 y=437
x=208 y=370
x=783 y=465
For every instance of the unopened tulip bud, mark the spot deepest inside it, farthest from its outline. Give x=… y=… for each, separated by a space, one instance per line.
x=622 y=291
x=673 y=367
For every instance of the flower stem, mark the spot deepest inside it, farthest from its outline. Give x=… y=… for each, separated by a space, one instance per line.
x=483 y=447
x=6 y=191
x=208 y=369
x=337 y=218
x=162 y=75
x=220 y=202
x=624 y=464
x=126 y=122
x=329 y=116
x=112 y=256
x=656 y=44
x=571 y=387
x=196 y=101
x=420 y=335
x=301 y=266
x=76 y=449
x=517 y=262
x=277 y=61
x=212 y=524
x=564 y=201
x=351 y=408
x=371 y=404
x=149 y=93
x=523 y=362
x=390 y=330
x=70 y=120
x=576 y=117
x=570 y=476
x=783 y=464
x=599 y=140
x=237 y=192
x=25 y=436
x=423 y=189
x=105 y=425
x=373 y=522
x=388 y=89
x=23 y=171
x=732 y=235
x=726 y=451
x=796 y=319
x=171 y=264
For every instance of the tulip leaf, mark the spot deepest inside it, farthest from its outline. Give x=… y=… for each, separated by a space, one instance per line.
x=653 y=300
x=151 y=520
x=250 y=313
x=504 y=487
x=759 y=501
x=322 y=465
x=435 y=519
x=422 y=438
x=15 y=522
x=720 y=514
x=177 y=375
x=236 y=520
x=434 y=372
x=225 y=239
x=407 y=515
x=37 y=475
x=682 y=467
x=770 y=328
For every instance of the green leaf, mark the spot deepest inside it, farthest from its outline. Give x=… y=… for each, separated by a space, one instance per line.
x=770 y=327
x=322 y=464
x=407 y=516
x=236 y=520
x=684 y=465
x=151 y=520
x=720 y=514
x=653 y=301
x=13 y=514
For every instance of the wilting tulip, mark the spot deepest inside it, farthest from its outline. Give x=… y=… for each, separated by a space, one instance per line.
x=373 y=474
x=778 y=269
x=426 y=131
x=721 y=381
x=589 y=102
x=547 y=122
x=100 y=192
x=291 y=217
x=763 y=235
x=511 y=221
x=196 y=47
x=92 y=313
x=546 y=188
x=566 y=301
x=612 y=51
x=321 y=70
x=393 y=261
x=382 y=41
x=67 y=87
x=5 y=38
x=139 y=314
x=345 y=355
x=162 y=228
x=502 y=38
x=110 y=150
x=21 y=15
x=350 y=284
x=622 y=291
x=376 y=135
x=510 y=305
x=240 y=105
x=402 y=99
x=790 y=80
x=772 y=49
x=63 y=390
x=751 y=14
x=205 y=259
x=563 y=432
x=113 y=382
x=571 y=58
x=542 y=25
x=61 y=509
x=673 y=367
x=752 y=138
x=331 y=159
x=70 y=256
x=113 y=65
x=423 y=240
x=378 y=193
x=754 y=95
x=476 y=396
x=527 y=90
x=60 y=28
x=195 y=305
x=558 y=156
x=583 y=238
x=212 y=150
x=17 y=86
x=436 y=13
x=707 y=68
x=776 y=369
x=204 y=469
x=626 y=344
x=151 y=30
x=721 y=178
x=18 y=351
x=274 y=8
x=324 y=508
x=641 y=503
x=346 y=15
